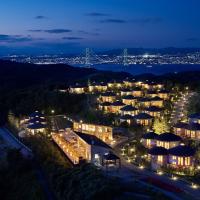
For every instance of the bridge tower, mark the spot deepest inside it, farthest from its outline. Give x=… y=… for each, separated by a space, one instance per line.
x=87 y=56
x=125 y=57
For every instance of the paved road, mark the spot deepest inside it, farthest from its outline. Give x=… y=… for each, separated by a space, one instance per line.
x=131 y=170
x=13 y=142
x=180 y=106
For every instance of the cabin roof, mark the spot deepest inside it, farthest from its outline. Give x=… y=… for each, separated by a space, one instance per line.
x=182 y=150
x=92 y=140
x=150 y=135
x=168 y=137
x=158 y=151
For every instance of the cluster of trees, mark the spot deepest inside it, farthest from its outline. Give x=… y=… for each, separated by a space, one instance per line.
x=18 y=179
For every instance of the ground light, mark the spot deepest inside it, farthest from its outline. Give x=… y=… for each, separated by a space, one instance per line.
x=160 y=173
x=174 y=178
x=194 y=186
x=141 y=167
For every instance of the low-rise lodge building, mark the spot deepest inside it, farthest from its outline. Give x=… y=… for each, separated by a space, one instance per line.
x=181 y=156
x=158 y=157
x=126 y=118
x=157 y=101
x=104 y=133
x=115 y=84
x=149 y=140
x=143 y=119
x=129 y=110
x=82 y=147
x=129 y=83
x=185 y=130
x=116 y=107
x=105 y=106
x=168 y=140
x=180 y=129
x=144 y=102
x=164 y=94
x=98 y=87
x=152 y=85
x=36 y=127
x=108 y=97
x=154 y=111
x=125 y=92
x=129 y=100
x=137 y=92
x=151 y=93
x=78 y=89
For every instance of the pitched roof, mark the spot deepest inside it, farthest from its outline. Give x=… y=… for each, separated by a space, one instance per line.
x=128 y=108
x=150 y=135
x=106 y=104
x=156 y=99
x=108 y=94
x=153 y=109
x=158 y=151
x=143 y=116
x=129 y=97
x=126 y=117
x=168 y=137
x=193 y=126
x=118 y=103
x=180 y=125
x=36 y=114
x=182 y=150
x=36 y=126
x=92 y=140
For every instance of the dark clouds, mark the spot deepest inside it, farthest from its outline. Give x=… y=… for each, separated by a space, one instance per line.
x=97 y=14
x=40 y=17
x=147 y=20
x=14 y=38
x=116 y=21
x=52 y=31
x=72 y=38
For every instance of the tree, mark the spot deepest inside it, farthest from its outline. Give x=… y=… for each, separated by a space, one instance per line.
x=160 y=126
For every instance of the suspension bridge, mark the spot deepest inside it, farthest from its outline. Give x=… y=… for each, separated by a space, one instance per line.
x=88 y=58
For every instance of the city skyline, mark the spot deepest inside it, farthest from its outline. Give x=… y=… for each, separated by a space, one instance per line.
x=69 y=26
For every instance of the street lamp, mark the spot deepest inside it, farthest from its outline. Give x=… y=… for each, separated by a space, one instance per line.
x=52 y=111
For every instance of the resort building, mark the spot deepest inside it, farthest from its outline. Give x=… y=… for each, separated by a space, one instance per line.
x=98 y=87
x=157 y=101
x=164 y=94
x=78 y=89
x=129 y=83
x=143 y=119
x=158 y=157
x=34 y=123
x=185 y=130
x=104 y=133
x=126 y=118
x=180 y=129
x=168 y=140
x=149 y=140
x=151 y=93
x=137 y=92
x=129 y=110
x=154 y=111
x=125 y=92
x=106 y=107
x=181 y=156
x=143 y=102
x=82 y=147
x=129 y=100
x=116 y=107
x=108 y=97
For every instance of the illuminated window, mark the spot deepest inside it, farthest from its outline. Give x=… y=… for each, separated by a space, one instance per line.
x=187 y=161
x=160 y=159
x=180 y=160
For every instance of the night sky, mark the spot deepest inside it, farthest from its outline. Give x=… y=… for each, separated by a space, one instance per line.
x=59 y=26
